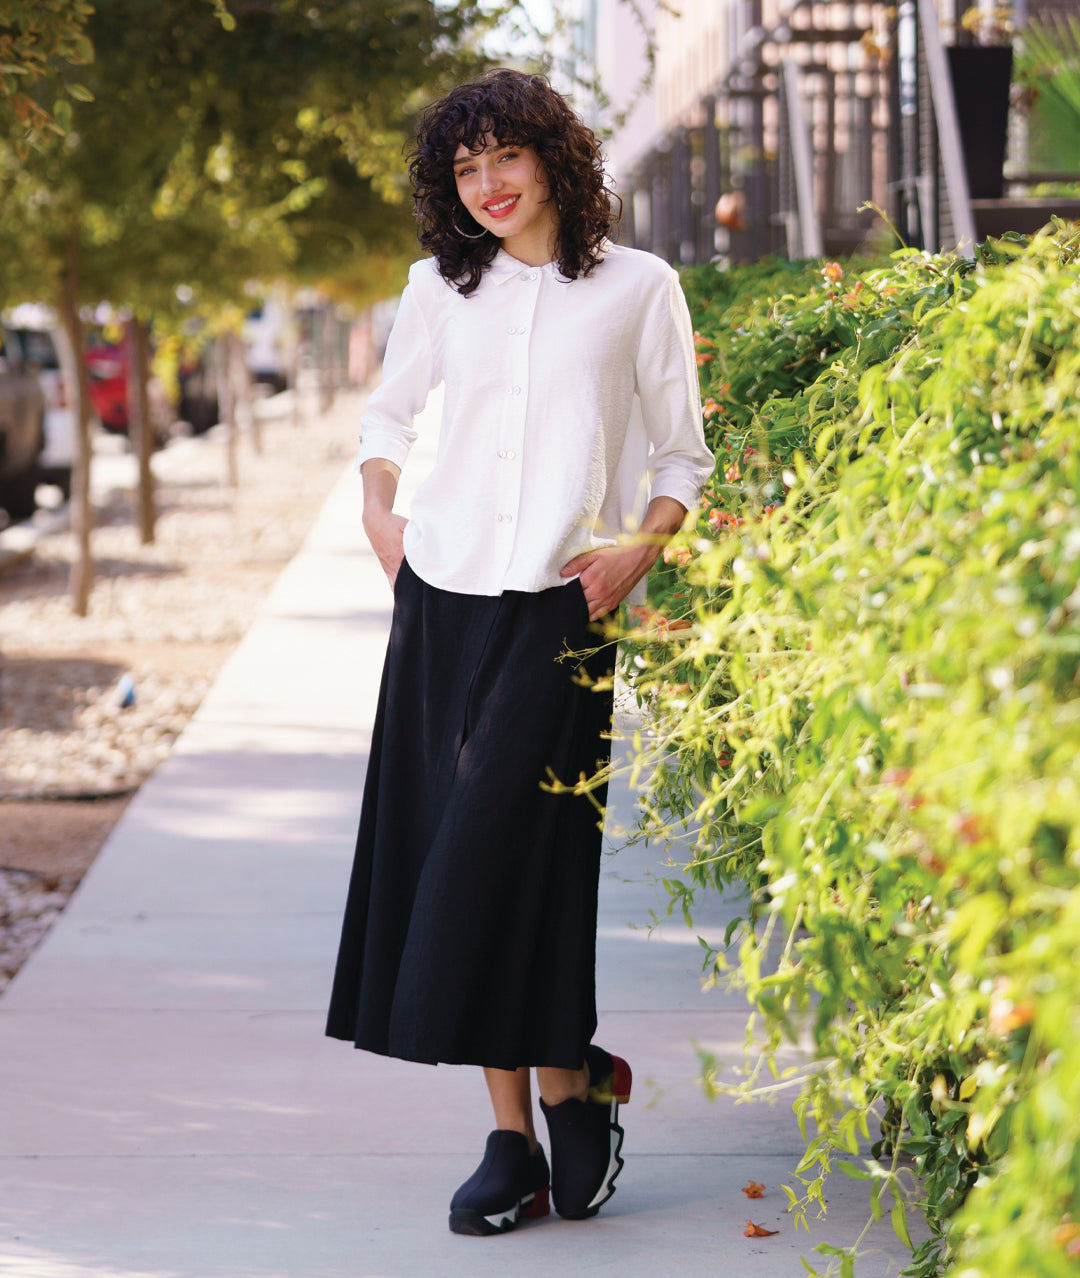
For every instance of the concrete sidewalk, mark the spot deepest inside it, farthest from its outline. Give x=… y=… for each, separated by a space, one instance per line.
x=169 y=1107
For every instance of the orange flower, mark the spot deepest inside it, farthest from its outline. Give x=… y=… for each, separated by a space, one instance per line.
x=758 y=1231
x=753 y=1189
x=1005 y=1015
x=677 y=555
x=710 y=408
x=896 y=776
x=969 y=828
x=722 y=519
x=651 y=619
x=833 y=272
x=703 y=358
x=732 y=473
x=1067 y=1234
x=702 y=342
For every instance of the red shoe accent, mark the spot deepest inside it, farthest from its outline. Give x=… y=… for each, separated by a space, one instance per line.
x=621 y=1080
x=540 y=1205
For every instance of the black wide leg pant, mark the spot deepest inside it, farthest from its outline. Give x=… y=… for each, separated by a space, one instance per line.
x=470 y=925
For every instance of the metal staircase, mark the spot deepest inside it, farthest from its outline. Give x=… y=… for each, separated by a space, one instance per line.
x=826 y=108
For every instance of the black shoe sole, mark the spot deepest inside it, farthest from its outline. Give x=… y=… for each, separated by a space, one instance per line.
x=467 y=1220
x=463 y=1220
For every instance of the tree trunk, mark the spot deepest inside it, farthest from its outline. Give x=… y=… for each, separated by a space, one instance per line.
x=227 y=405
x=82 y=512
x=294 y=368
x=242 y=384
x=328 y=361
x=140 y=426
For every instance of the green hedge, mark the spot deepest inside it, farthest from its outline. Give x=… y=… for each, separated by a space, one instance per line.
x=864 y=668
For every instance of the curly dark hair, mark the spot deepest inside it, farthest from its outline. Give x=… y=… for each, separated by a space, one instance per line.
x=517 y=110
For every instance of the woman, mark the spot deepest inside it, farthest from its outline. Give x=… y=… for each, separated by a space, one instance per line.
x=570 y=382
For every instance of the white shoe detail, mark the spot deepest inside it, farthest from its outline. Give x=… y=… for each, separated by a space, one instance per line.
x=502 y=1218
x=615 y=1163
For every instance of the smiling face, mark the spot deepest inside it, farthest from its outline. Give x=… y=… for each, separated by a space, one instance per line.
x=506 y=191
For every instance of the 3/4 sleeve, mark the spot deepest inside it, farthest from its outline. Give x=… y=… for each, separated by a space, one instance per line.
x=680 y=463
x=408 y=375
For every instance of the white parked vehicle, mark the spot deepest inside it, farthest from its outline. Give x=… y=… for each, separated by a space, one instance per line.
x=22 y=411
x=43 y=346
x=267 y=343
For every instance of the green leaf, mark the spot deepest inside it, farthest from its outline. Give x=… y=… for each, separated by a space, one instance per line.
x=899 y=1223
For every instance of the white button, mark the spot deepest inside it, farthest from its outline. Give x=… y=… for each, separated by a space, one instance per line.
x=525 y=275
x=517 y=390
x=533 y=275
x=502 y=452
x=511 y=454
x=509 y=390
x=523 y=329
x=511 y=329
x=509 y=518
x=499 y=518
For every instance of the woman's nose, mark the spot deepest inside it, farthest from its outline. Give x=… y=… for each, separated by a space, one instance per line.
x=489 y=179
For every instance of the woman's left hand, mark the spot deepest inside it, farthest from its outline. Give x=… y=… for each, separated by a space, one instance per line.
x=609 y=574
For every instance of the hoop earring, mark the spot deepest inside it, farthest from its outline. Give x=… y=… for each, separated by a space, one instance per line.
x=464 y=234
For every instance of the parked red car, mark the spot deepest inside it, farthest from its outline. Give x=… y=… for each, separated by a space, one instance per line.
x=107 y=369
x=106 y=366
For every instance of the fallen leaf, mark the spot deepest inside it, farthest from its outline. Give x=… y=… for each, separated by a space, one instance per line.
x=758 y=1231
x=752 y=1189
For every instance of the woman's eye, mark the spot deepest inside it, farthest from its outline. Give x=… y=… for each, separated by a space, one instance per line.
x=509 y=155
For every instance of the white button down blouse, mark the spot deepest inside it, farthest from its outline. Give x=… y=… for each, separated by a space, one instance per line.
x=568 y=405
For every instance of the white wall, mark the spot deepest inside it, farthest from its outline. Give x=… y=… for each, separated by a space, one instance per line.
x=622 y=64
x=693 y=49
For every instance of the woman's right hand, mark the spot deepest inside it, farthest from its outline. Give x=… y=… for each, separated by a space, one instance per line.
x=384 y=530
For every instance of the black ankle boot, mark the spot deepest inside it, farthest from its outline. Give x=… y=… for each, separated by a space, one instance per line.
x=509 y=1183
x=586 y=1138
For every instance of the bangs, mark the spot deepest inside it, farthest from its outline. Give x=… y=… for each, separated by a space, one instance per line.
x=475 y=126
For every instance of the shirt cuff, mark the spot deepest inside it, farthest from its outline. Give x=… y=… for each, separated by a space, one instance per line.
x=681 y=489
x=374 y=444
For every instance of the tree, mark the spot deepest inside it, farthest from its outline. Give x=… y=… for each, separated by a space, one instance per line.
x=40 y=40
x=203 y=157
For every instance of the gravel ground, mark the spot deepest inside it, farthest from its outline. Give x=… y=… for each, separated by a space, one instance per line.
x=90 y=706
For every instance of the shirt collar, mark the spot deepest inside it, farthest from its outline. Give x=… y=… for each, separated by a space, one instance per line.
x=504 y=267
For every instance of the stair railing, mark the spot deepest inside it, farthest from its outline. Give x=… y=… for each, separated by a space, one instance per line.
x=953 y=191
x=799 y=214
